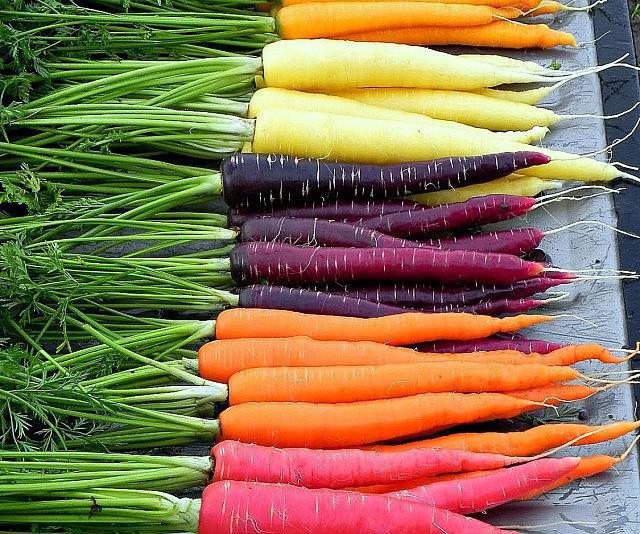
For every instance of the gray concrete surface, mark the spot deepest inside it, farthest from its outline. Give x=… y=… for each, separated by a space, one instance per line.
x=609 y=503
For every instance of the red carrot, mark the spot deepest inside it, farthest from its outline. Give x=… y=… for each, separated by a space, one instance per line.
x=517 y=241
x=250 y=507
x=420 y=295
x=477 y=494
x=264 y=180
x=475 y=211
x=342 y=468
x=286 y=264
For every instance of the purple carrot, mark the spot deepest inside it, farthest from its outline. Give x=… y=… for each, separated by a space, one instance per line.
x=489 y=307
x=419 y=295
x=265 y=180
x=526 y=346
x=517 y=241
x=332 y=211
x=309 y=301
x=318 y=232
x=447 y=217
x=287 y=264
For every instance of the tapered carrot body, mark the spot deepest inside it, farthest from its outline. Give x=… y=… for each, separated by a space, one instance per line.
x=477 y=494
x=332 y=19
x=589 y=466
x=410 y=484
x=330 y=426
x=526 y=443
x=493 y=343
x=219 y=360
x=402 y=329
x=557 y=394
x=497 y=34
x=343 y=468
x=250 y=507
x=564 y=356
x=359 y=383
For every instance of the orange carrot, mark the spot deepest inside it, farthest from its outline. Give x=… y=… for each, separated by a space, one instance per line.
x=565 y=356
x=589 y=466
x=299 y=424
x=529 y=442
x=331 y=19
x=401 y=329
x=556 y=394
x=546 y=7
x=219 y=360
x=362 y=383
x=523 y=5
x=498 y=34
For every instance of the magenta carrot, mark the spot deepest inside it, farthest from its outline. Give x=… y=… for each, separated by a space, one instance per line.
x=420 y=295
x=477 y=494
x=309 y=301
x=262 y=180
x=250 y=507
x=286 y=264
x=347 y=211
x=446 y=217
x=343 y=468
x=493 y=343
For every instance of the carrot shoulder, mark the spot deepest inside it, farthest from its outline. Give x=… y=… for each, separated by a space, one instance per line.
x=401 y=329
x=498 y=34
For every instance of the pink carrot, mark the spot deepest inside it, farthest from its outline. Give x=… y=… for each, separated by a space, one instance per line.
x=285 y=264
x=252 y=507
x=477 y=494
x=343 y=468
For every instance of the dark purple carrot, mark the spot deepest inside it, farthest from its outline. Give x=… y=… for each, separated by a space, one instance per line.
x=259 y=181
x=490 y=307
x=287 y=264
x=309 y=301
x=420 y=295
x=526 y=346
x=318 y=232
x=332 y=211
x=446 y=217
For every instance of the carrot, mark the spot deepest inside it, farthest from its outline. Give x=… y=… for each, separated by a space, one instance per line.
x=529 y=96
x=568 y=355
x=477 y=494
x=299 y=424
x=360 y=383
x=333 y=19
x=497 y=34
x=588 y=467
x=219 y=360
x=411 y=484
x=529 y=442
x=250 y=507
x=402 y=329
x=528 y=186
x=555 y=395
x=342 y=468
x=523 y=5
